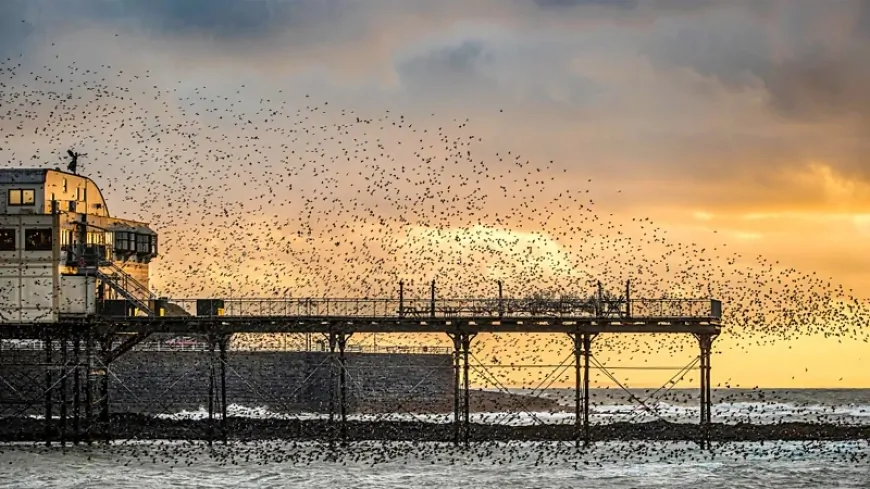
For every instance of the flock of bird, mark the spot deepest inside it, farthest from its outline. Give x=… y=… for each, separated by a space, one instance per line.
x=259 y=193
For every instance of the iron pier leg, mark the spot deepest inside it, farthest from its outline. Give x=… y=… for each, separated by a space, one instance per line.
x=342 y=384
x=709 y=383
x=211 y=387
x=77 y=386
x=703 y=420
x=466 y=347
x=578 y=345
x=587 y=353
x=223 y=353
x=332 y=344
x=63 y=388
x=48 y=389
x=104 y=391
x=457 y=346
x=706 y=342
x=89 y=385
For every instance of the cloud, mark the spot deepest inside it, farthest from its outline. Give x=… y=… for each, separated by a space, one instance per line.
x=810 y=58
x=720 y=106
x=14 y=27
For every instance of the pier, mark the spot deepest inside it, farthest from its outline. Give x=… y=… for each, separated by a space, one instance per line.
x=80 y=350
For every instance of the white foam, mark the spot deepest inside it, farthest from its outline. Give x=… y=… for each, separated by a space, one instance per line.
x=599 y=414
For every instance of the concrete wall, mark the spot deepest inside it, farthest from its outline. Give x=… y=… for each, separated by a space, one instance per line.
x=28 y=279
x=169 y=382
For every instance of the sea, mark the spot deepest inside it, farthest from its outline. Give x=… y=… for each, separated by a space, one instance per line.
x=603 y=465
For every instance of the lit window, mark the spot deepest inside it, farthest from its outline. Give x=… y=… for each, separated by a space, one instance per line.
x=7 y=240
x=18 y=196
x=64 y=185
x=37 y=239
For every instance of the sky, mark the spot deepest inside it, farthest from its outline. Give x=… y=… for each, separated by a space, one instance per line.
x=737 y=127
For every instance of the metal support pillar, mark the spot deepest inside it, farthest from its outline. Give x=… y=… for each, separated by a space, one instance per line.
x=49 y=383
x=223 y=344
x=341 y=339
x=77 y=387
x=457 y=348
x=64 y=387
x=461 y=365
x=466 y=347
x=338 y=340
x=106 y=350
x=333 y=343
x=587 y=355
x=582 y=394
x=89 y=385
x=705 y=342
x=211 y=388
x=578 y=395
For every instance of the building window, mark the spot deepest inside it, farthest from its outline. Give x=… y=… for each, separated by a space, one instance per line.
x=22 y=196
x=66 y=238
x=7 y=240
x=122 y=241
x=143 y=243
x=37 y=239
x=95 y=238
x=64 y=185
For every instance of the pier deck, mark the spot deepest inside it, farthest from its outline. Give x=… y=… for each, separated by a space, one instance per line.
x=105 y=337
x=348 y=316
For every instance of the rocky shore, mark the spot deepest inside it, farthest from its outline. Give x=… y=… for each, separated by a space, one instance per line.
x=479 y=402
x=142 y=427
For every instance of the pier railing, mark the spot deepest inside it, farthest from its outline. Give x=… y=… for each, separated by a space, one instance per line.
x=454 y=308
x=199 y=345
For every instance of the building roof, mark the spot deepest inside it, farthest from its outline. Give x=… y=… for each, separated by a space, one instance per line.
x=23 y=175
x=33 y=175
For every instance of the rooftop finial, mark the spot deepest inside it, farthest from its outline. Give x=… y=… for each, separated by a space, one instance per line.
x=73 y=164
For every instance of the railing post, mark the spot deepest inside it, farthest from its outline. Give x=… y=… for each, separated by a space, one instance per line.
x=500 y=301
x=432 y=299
x=401 y=298
x=600 y=299
x=628 y=299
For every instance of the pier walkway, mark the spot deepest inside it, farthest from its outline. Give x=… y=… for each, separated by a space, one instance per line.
x=99 y=339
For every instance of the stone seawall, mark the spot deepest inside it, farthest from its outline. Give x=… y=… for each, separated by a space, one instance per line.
x=163 y=382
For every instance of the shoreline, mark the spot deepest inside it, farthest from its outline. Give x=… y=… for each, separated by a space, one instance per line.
x=479 y=401
x=143 y=427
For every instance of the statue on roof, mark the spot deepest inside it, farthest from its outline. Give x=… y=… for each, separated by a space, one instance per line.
x=74 y=161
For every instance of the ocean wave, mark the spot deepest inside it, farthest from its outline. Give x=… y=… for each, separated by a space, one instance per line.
x=750 y=412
